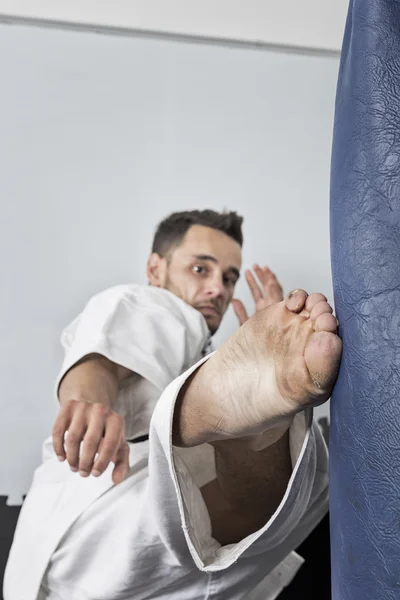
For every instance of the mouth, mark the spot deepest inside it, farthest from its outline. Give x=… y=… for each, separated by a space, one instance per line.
x=209 y=310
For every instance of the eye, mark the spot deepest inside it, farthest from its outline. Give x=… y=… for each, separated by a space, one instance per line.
x=199 y=269
x=230 y=280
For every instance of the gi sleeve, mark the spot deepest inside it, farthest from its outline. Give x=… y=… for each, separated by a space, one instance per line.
x=304 y=504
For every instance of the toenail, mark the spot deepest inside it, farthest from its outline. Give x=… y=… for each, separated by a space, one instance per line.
x=293 y=292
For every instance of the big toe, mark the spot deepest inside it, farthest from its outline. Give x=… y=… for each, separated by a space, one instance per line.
x=295 y=301
x=322 y=355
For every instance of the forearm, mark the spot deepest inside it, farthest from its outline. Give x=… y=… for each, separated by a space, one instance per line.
x=93 y=379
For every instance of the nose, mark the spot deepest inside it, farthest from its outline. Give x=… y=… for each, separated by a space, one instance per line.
x=215 y=287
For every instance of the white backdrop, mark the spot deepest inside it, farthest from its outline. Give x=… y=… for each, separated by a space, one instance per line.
x=303 y=23
x=100 y=138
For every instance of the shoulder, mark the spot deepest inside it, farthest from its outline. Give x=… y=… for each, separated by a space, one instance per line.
x=152 y=300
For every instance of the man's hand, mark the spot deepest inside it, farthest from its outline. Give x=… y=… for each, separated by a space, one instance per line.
x=102 y=432
x=87 y=395
x=265 y=292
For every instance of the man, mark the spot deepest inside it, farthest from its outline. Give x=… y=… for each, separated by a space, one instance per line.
x=234 y=475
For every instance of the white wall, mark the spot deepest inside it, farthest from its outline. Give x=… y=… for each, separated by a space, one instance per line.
x=303 y=23
x=100 y=138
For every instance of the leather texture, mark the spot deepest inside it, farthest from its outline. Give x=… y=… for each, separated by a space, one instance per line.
x=365 y=244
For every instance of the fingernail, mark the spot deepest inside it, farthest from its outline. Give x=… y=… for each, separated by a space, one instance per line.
x=61 y=458
x=74 y=469
x=83 y=473
x=96 y=473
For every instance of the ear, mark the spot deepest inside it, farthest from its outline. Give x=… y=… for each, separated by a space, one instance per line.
x=156 y=270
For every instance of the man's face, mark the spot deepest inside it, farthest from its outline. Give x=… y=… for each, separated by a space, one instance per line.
x=203 y=271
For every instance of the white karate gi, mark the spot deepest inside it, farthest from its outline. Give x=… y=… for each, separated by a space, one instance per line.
x=150 y=536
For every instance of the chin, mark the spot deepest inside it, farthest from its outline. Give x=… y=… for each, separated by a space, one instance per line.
x=212 y=325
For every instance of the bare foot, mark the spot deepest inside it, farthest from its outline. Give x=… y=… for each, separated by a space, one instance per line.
x=281 y=361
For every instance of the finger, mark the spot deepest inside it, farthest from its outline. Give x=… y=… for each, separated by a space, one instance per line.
x=93 y=437
x=272 y=280
x=264 y=274
x=60 y=428
x=240 y=311
x=254 y=287
x=273 y=292
x=260 y=272
x=121 y=468
x=270 y=277
x=75 y=435
x=109 y=444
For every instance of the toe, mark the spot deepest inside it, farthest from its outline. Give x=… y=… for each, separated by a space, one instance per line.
x=325 y=322
x=313 y=299
x=319 y=309
x=322 y=356
x=295 y=301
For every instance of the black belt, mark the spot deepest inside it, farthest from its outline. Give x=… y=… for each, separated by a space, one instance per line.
x=141 y=438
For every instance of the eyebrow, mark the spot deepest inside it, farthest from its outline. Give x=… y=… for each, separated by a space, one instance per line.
x=214 y=260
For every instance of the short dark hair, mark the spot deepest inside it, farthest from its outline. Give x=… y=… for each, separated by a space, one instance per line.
x=171 y=231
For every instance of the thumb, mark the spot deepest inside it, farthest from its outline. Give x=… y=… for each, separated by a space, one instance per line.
x=240 y=311
x=121 y=459
x=121 y=462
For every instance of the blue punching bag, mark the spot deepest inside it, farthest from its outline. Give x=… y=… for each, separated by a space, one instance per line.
x=365 y=243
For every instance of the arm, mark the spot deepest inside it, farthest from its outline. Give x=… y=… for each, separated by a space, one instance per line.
x=94 y=378
x=120 y=332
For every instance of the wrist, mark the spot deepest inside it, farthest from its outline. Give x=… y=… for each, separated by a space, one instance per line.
x=90 y=381
x=79 y=394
